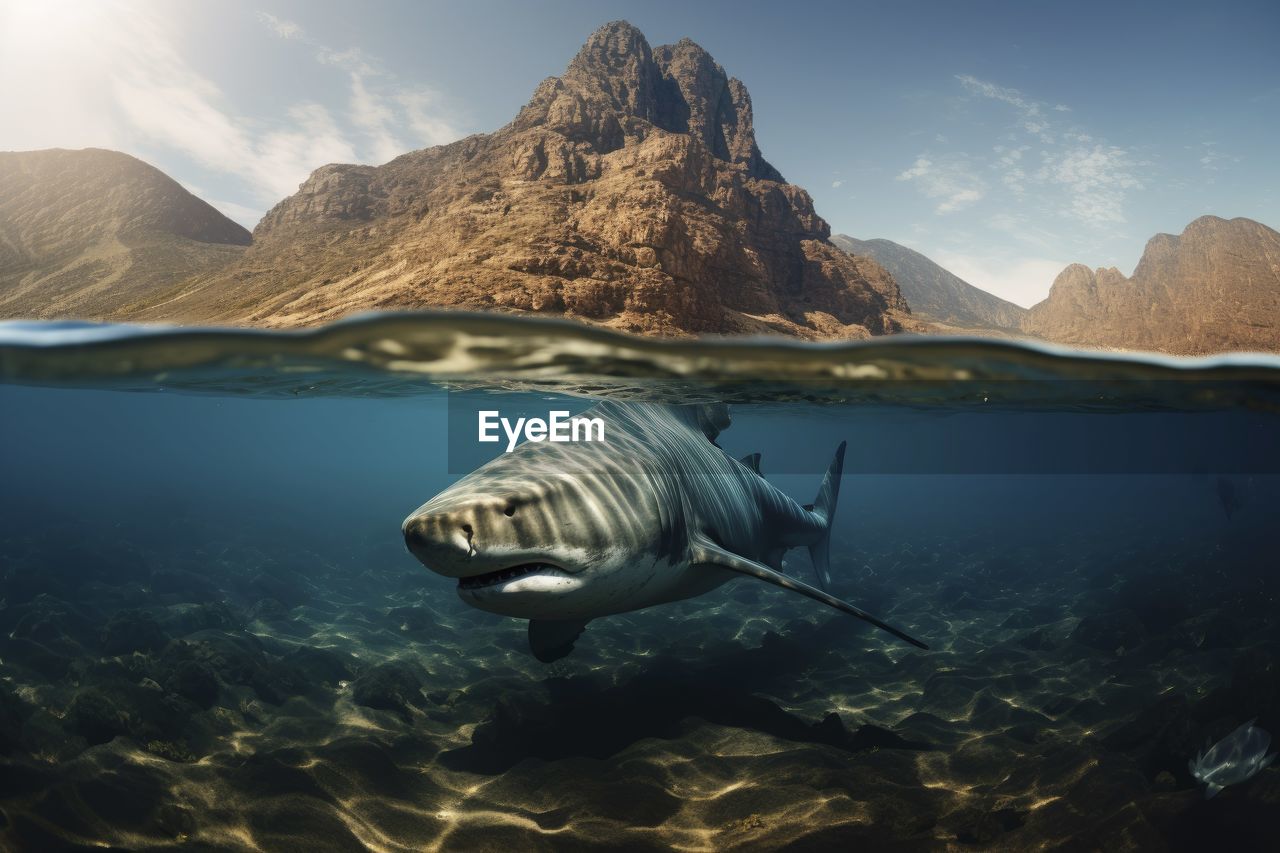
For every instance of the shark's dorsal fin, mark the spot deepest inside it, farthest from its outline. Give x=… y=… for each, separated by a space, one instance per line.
x=713 y=419
x=705 y=552
x=752 y=461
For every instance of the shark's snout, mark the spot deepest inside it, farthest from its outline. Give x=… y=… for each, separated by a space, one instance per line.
x=444 y=542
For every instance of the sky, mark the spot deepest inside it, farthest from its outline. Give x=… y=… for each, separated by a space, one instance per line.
x=1002 y=140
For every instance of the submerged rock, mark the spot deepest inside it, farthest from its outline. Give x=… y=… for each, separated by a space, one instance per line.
x=268 y=610
x=1119 y=629
x=321 y=666
x=390 y=686
x=236 y=659
x=130 y=631
x=95 y=717
x=983 y=828
x=13 y=712
x=189 y=618
x=194 y=681
x=185 y=586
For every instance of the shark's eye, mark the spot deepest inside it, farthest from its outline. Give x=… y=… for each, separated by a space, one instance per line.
x=510 y=510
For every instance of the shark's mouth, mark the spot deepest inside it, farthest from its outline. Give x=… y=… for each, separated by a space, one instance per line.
x=504 y=575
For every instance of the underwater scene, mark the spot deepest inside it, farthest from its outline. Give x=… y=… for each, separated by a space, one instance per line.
x=269 y=591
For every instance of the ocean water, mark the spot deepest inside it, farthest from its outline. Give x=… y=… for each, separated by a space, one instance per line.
x=213 y=637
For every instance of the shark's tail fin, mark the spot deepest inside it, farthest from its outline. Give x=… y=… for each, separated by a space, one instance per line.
x=824 y=506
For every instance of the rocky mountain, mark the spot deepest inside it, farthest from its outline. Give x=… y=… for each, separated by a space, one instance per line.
x=629 y=191
x=90 y=234
x=1214 y=288
x=935 y=293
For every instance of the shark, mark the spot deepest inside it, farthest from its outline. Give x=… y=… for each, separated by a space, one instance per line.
x=564 y=533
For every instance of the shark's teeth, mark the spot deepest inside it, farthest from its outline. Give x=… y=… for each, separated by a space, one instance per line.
x=502 y=575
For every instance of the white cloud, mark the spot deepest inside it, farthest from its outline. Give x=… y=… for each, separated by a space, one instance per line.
x=116 y=75
x=1019 y=227
x=169 y=103
x=999 y=93
x=1096 y=179
x=835 y=184
x=1212 y=157
x=426 y=125
x=1032 y=112
x=281 y=27
x=381 y=109
x=948 y=179
x=1010 y=166
x=374 y=115
x=1078 y=176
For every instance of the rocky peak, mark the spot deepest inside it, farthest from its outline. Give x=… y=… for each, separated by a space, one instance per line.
x=618 y=89
x=1078 y=278
x=716 y=108
x=628 y=191
x=1208 y=240
x=1073 y=277
x=615 y=71
x=1214 y=287
x=616 y=52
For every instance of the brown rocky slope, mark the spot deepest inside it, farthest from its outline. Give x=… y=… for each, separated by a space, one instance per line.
x=1214 y=288
x=630 y=191
x=86 y=234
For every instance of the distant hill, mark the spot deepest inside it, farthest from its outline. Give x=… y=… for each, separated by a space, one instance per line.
x=933 y=292
x=629 y=191
x=87 y=234
x=1214 y=288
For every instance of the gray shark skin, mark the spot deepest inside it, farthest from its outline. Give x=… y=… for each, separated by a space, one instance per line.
x=563 y=533
x=1236 y=758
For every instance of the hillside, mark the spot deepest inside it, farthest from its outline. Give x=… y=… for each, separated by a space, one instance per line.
x=1214 y=288
x=629 y=192
x=935 y=293
x=88 y=234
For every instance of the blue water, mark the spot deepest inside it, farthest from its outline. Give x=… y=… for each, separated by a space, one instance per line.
x=212 y=633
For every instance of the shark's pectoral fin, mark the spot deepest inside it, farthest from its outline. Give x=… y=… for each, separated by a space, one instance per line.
x=552 y=639
x=705 y=552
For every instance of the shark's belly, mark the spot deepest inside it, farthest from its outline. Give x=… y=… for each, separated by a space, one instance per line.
x=674 y=583
x=642 y=583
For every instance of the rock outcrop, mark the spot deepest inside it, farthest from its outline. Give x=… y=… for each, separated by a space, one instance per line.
x=629 y=192
x=935 y=293
x=92 y=233
x=1214 y=288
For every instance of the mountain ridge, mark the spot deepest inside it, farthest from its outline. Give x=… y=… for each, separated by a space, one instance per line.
x=629 y=192
x=934 y=292
x=1214 y=287
x=84 y=233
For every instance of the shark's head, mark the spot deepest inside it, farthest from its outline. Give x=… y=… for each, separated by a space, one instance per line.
x=535 y=547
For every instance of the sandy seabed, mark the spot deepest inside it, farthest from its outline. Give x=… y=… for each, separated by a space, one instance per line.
x=232 y=697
